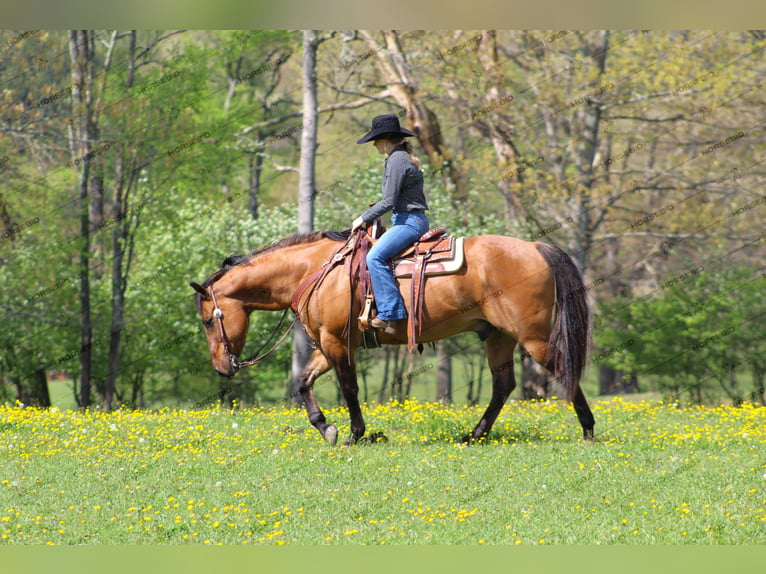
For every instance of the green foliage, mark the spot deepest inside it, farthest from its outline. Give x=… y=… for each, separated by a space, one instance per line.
x=203 y=112
x=161 y=301
x=691 y=337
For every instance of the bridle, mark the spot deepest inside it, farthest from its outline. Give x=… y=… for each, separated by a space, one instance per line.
x=255 y=358
x=313 y=281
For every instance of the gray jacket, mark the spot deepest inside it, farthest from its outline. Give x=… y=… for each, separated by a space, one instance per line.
x=402 y=187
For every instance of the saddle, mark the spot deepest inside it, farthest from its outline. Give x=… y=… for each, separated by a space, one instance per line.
x=435 y=253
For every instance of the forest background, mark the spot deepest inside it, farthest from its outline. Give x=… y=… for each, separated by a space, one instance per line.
x=133 y=162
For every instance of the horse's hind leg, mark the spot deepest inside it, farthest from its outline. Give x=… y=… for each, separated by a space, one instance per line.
x=500 y=348
x=316 y=366
x=539 y=351
x=584 y=414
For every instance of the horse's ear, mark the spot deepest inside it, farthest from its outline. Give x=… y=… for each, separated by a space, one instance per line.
x=199 y=289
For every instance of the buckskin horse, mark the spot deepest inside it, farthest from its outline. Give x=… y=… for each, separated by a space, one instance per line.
x=508 y=291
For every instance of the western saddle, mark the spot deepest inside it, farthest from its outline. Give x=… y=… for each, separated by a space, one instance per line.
x=435 y=253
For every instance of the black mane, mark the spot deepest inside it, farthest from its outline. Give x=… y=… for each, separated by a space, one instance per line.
x=296 y=239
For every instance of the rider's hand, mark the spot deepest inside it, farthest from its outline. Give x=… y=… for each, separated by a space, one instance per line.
x=358 y=223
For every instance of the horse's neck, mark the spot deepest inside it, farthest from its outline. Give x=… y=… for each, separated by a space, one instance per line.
x=279 y=273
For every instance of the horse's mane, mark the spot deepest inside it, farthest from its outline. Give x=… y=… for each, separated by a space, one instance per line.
x=233 y=261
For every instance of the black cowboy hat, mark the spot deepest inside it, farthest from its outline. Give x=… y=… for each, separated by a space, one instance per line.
x=385 y=126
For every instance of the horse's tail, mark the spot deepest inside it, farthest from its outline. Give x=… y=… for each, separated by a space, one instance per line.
x=569 y=341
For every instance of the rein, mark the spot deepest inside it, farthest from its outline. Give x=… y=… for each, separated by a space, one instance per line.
x=310 y=284
x=255 y=358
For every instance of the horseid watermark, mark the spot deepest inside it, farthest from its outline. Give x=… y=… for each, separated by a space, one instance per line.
x=692 y=83
x=481 y=301
x=685 y=276
x=628 y=152
x=206 y=402
x=52 y=289
x=584 y=289
x=472 y=41
x=170 y=343
x=609 y=352
x=216 y=206
x=286 y=133
x=357 y=59
x=188 y=144
x=261 y=69
x=55 y=96
x=90 y=155
x=16 y=39
x=723 y=143
x=150 y=86
x=552 y=38
x=409 y=376
x=14 y=230
x=525 y=165
x=323 y=190
x=651 y=216
x=491 y=107
x=712 y=339
x=79 y=351
x=119 y=217
x=748 y=207
x=555 y=227
x=592 y=94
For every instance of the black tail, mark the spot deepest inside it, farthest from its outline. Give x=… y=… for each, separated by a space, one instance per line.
x=569 y=342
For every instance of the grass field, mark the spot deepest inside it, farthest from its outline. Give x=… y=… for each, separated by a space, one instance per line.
x=658 y=474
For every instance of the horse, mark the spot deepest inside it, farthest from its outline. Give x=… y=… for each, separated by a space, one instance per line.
x=509 y=291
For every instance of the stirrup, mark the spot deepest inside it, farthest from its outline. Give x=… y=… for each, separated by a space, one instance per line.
x=378 y=323
x=364 y=317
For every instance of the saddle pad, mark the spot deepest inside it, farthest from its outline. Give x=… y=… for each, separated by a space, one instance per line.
x=404 y=267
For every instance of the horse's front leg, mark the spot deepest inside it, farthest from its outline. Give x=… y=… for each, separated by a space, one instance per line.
x=316 y=366
x=344 y=363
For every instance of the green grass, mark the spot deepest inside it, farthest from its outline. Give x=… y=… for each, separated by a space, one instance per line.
x=657 y=475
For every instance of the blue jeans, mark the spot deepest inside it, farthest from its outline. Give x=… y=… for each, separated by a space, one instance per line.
x=406 y=228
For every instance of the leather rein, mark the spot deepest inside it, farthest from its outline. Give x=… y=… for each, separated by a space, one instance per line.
x=315 y=278
x=255 y=358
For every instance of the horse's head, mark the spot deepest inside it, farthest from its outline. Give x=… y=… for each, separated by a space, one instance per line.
x=226 y=321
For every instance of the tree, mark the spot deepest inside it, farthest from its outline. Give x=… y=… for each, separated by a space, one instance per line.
x=83 y=138
x=311 y=41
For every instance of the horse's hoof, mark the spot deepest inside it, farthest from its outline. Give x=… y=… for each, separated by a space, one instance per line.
x=331 y=435
x=373 y=438
x=351 y=441
x=467 y=439
x=587 y=435
x=378 y=437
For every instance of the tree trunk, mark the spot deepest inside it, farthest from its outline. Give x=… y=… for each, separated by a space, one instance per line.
x=393 y=66
x=255 y=169
x=387 y=351
x=39 y=395
x=118 y=289
x=497 y=131
x=758 y=385
x=301 y=348
x=589 y=120
x=81 y=137
x=121 y=253
x=443 y=374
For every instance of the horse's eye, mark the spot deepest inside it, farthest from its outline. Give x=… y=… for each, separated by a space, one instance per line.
x=208 y=322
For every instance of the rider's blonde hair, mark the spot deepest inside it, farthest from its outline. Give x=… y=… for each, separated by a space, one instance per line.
x=406 y=145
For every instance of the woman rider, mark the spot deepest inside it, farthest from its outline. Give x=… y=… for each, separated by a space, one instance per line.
x=402 y=194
